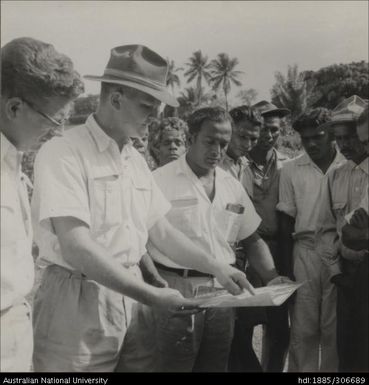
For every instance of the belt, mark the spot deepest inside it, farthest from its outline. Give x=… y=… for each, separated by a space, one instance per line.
x=183 y=272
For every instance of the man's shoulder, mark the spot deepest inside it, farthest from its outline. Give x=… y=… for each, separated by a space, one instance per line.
x=72 y=141
x=339 y=170
x=290 y=165
x=226 y=175
x=168 y=169
x=229 y=181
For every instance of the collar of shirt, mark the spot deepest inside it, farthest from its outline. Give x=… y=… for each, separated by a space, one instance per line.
x=10 y=154
x=304 y=160
x=235 y=167
x=241 y=161
x=280 y=157
x=364 y=165
x=104 y=141
x=184 y=168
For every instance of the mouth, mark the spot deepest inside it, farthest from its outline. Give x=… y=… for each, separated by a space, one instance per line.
x=212 y=161
x=313 y=153
x=347 y=154
x=173 y=156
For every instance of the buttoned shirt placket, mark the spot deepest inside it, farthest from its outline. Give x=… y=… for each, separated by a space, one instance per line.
x=210 y=209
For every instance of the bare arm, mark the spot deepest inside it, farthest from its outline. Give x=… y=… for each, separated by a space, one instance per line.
x=259 y=257
x=87 y=256
x=176 y=246
x=150 y=272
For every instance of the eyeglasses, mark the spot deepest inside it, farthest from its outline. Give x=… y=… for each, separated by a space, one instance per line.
x=58 y=123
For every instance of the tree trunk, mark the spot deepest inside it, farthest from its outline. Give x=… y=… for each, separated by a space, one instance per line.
x=199 y=81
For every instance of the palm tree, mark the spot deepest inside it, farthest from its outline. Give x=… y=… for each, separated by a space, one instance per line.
x=172 y=77
x=223 y=74
x=198 y=68
x=247 y=96
x=291 y=91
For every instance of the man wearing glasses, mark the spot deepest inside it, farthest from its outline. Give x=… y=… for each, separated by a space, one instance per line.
x=38 y=84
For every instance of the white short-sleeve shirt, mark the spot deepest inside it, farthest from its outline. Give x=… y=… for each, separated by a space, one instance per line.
x=84 y=175
x=17 y=269
x=300 y=191
x=208 y=224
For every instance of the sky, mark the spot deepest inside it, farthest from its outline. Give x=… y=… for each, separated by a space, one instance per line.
x=266 y=36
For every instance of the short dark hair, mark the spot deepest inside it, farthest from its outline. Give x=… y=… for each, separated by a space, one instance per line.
x=214 y=114
x=248 y=113
x=364 y=116
x=312 y=118
x=34 y=70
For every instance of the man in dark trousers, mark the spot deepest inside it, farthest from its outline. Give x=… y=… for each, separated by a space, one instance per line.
x=346 y=191
x=261 y=182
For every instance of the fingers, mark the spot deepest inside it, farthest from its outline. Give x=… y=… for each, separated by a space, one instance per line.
x=360 y=218
x=160 y=282
x=233 y=287
x=243 y=283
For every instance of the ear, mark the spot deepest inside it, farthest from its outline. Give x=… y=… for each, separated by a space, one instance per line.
x=13 y=107
x=116 y=100
x=191 y=139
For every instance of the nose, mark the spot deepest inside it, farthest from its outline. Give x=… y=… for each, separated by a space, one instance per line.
x=247 y=144
x=310 y=143
x=268 y=135
x=173 y=145
x=216 y=151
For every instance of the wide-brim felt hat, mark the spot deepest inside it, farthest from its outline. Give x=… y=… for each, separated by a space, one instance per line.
x=348 y=111
x=138 y=67
x=269 y=109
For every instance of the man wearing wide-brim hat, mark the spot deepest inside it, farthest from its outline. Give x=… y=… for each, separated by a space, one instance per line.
x=344 y=192
x=95 y=205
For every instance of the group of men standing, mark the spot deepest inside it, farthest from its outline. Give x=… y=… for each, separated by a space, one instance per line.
x=229 y=204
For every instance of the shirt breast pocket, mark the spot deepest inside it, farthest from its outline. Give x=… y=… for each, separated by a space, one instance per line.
x=106 y=202
x=185 y=217
x=229 y=225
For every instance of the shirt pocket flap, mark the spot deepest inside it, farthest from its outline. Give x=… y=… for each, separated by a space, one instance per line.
x=105 y=201
x=141 y=183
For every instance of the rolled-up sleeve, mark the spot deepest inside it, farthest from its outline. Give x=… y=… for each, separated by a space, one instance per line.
x=327 y=240
x=60 y=187
x=250 y=221
x=287 y=199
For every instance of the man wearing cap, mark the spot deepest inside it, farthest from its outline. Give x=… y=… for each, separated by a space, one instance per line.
x=344 y=191
x=38 y=85
x=247 y=123
x=313 y=321
x=261 y=181
x=95 y=205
